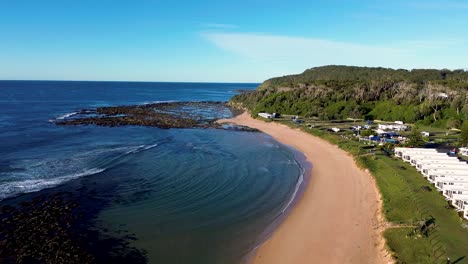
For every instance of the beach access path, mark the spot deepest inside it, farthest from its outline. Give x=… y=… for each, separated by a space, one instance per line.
x=338 y=218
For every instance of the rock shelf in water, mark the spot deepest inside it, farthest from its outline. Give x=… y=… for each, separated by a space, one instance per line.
x=161 y=115
x=57 y=229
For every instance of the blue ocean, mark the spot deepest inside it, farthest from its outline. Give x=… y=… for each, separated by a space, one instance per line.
x=184 y=195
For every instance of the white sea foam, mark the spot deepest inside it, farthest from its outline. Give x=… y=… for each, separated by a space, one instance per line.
x=160 y=102
x=46 y=173
x=141 y=148
x=150 y=146
x=61 y=117
x=9 y=189
x=296 y=190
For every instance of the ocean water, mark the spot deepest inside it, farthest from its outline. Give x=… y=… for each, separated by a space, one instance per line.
x=185 y=195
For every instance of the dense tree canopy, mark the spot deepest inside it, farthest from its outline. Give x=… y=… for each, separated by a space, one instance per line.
x=431 y=97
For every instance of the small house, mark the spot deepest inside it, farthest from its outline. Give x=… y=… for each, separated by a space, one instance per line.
x=425 y=134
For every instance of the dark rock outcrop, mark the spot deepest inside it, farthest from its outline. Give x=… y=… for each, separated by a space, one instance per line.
x=161 y=115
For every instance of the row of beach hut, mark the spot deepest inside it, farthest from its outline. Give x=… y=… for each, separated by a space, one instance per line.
x=448 y=174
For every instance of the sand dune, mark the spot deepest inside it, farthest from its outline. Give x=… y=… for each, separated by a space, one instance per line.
x=337 y=220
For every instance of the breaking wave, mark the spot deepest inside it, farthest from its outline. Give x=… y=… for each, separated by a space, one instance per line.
x=10 y=189
x=61 y=117
x=35 y=175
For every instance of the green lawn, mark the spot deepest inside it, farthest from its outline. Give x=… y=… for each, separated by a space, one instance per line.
x=406 y=205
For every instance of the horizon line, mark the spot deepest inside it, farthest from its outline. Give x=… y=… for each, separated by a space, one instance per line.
x=41 y=80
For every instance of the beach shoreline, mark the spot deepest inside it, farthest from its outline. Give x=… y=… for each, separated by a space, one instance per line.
x=338 y=217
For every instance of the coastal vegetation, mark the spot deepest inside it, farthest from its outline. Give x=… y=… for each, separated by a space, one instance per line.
x=421 y=226
x=437 y=98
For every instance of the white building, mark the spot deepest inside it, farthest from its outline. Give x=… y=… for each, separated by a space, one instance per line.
x=420 y=157
x=449 y=191
x=400 y=151
x=449 y=175
x=439 y=164
x=465 y=213
x=451 y=181
x=432 y=177
x=426 y=170
x=460 y=201
x=396 y=127
x=425 y=134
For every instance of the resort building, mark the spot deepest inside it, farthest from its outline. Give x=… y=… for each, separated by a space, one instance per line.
x=450 y=182
x=436 y=164
x=449 y=191
x=433 y=169
x=419 y=157
x=400 y=151
x=448 y=174
x=396 y=127
x=460 y=201
x=465 y=212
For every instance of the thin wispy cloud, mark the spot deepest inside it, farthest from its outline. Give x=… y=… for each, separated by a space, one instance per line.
x=288 y=50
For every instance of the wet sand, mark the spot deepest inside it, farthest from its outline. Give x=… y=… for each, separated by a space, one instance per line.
x=337 y=220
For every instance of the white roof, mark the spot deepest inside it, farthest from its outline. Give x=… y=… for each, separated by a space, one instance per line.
x=424 y=163
x=429 y=163
x=452 y=179
x=448 y=167
x=427 y=154
x=456 y=187
x=447 y=173
x=415 y=149
x=460 y=196
x=428 y=157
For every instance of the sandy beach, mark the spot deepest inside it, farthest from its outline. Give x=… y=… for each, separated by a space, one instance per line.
x=337 y=220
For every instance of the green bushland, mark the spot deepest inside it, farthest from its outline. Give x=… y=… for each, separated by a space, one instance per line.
x=436 y=98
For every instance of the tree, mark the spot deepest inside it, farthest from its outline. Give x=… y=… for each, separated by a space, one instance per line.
x=435 y=101
x=464 y=134
x=453 y=123
x=367 y=132
x=465 y=111
x=458 y=103
x=415 y=138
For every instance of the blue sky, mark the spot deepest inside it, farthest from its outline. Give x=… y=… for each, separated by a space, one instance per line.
x=224 y=41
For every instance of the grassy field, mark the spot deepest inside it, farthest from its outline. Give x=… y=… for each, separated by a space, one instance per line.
x=422 y=227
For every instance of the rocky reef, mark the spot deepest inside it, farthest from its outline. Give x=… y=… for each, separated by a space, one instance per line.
x=57 y=229
x=161 y=115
